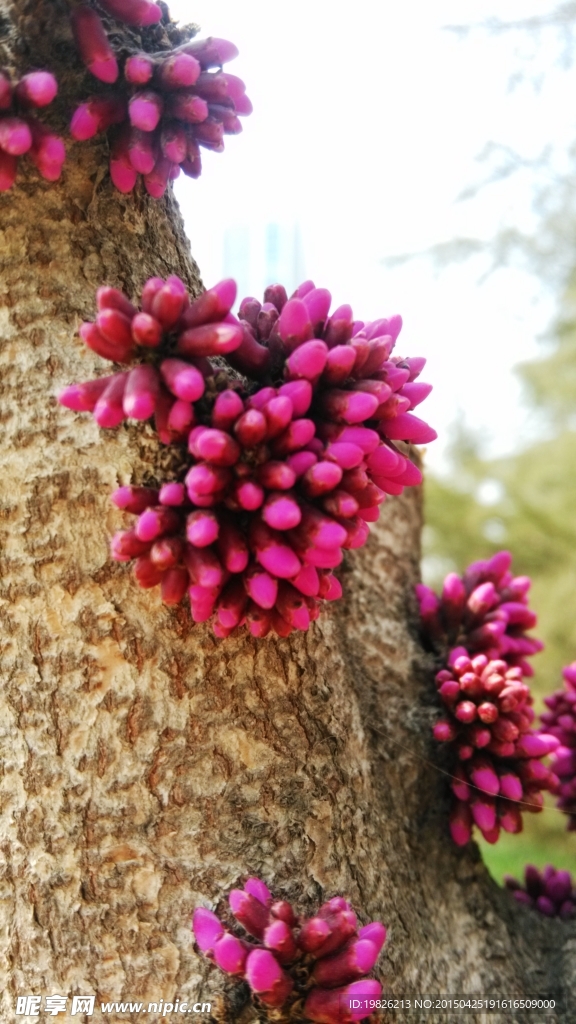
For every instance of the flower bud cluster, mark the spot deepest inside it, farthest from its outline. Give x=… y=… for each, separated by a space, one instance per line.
x=486 y=610
x=560 y=721
x=499 y=768
x=286 y=469
x=323 y=960
x=22 y=133
x=551 y=892
x=166 y=105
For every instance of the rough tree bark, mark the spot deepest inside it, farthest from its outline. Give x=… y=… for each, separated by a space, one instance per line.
x=148 y=767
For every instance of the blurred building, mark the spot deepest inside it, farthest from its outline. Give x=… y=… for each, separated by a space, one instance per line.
x=257 y=255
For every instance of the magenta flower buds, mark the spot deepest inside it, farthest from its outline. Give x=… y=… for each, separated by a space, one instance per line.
x=323 y=959
x=284 y=473
x=551 y=892
x=488 y=718
x=560 y=722
x=486 y=610
x=21 y=133
x=166 y=106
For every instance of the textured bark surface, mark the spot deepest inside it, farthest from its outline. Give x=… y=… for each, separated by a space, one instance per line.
x=148 y=767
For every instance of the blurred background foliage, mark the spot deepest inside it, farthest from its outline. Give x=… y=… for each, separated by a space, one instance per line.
x=526 y=501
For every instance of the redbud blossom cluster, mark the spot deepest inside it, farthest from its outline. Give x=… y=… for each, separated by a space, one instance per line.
x=488 y=723
x=560 y=721
x=551 y=892
x=486 y=610
x=166 y=106
x=288 y=464
x=323 y=959
x=22 y=133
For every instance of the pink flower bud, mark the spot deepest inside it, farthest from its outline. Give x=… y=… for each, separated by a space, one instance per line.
x=445 y=731
x=321 y=478
x=298 y=434
x=292 y=606
x=281 y=511
x=187 y=107
x=178 y=71
x=204 y=480
x=249 y=495
x=278 y=938
x=230 y=954
x=125 y=546
x=134 y=499
x=267 y=979
x=307 y=581
x=338 y=330
x=139 y=69
x=141 y=392
x=277 y=557
x=348 y=406
x=262 y=588
x=174 y=585
x=146 y=574
x=484 y=777
x=92 y=44
x=122 y=172
x=145 y=109
x=232 y=548
x=210 y=340
x=207 y=928
x=278 y=412
x=36 y=89
x=251 y=428
x=357 y=959
x=300 y=394
x=294 y=325
x=204 y=568
x=109 y=411
x=155 y=522
x=308 y=360
x=202 y=528
x=249 y=911
x=231 y=605
x=173 y=143
x=461 y=823
x=256 y=887
x=83 y=397
x=96 y=115
x=258 y=621
x=15 y=136
x=483 y=810
x=536 y=745
x=406 y=427
x=217 y=447
x=167 y=552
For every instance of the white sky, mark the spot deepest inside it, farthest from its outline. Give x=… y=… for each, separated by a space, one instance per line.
x=367 y=121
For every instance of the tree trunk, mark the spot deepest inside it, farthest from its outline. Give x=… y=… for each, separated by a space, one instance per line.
x=149 y=767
